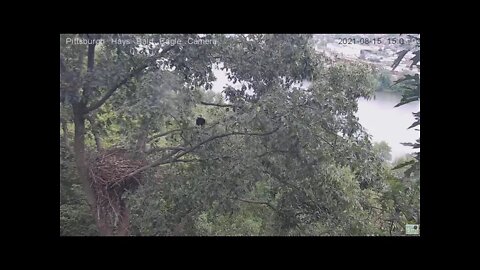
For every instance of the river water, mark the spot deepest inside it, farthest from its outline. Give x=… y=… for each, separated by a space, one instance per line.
x=386 y=123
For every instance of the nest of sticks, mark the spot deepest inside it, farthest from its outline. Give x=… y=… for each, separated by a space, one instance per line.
x=108 y=174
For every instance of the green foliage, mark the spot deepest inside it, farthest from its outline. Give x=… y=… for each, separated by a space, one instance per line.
x=273 y=159
x=75 y=215
x=403 y=198
x=246 y=221
x=384 y=82
x=290 y=170
x=75 y=219
x=383 y=150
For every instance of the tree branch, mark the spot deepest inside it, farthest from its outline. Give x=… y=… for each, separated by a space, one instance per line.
x=225 y=135
x=134 y=73
x=98 y=140
x=158 y=149
x=168 y=132
x=173 y=158
x=90 y=65
x=214 y=104
x=115 y=87
x=257 y=202
x=91 y=56
x=188 y=160
x=323 y=139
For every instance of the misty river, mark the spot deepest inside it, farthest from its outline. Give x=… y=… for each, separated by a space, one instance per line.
x=387 y=123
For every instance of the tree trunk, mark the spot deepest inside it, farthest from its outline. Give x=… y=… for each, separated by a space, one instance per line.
x=65 y=135
x=82 y=168
x=124 y=220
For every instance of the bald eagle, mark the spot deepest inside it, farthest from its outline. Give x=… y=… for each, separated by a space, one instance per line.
x=200 y=121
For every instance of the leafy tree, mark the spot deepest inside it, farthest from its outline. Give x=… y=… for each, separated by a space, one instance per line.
x=91 y=75
x=287 y=149
x=274 y=159
x=383 y=150
x=384 y=82
x=402 y=198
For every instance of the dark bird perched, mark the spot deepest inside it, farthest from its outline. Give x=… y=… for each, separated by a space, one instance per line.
x=200 y=121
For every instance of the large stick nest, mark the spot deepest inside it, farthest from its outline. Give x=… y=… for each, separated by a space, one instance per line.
x=108 y=172
x=110 y=167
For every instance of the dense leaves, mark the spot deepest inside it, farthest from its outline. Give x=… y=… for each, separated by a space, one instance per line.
x=272 y=159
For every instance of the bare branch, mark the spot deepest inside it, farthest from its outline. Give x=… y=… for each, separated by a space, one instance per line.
x=225 y=135
x=134 y=73
x=173 y=158
x=218 y=105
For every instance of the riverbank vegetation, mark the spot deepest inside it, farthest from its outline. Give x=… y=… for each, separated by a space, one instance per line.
x=384 y=81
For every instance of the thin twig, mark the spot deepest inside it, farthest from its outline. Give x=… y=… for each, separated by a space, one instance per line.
x=217 y=105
